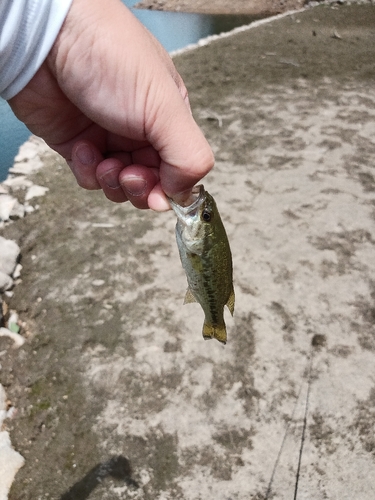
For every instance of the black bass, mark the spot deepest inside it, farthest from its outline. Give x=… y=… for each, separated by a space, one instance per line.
x=206 y=257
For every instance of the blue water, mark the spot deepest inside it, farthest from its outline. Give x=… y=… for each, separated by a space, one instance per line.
x=174 y=30
x=12 y=134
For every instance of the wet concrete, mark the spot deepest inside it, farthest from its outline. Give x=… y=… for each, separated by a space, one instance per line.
x=118 y=395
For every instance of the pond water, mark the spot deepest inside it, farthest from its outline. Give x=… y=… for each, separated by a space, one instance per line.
x=174 y=30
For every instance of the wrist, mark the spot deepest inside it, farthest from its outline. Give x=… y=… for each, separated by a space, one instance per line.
x=72 y=28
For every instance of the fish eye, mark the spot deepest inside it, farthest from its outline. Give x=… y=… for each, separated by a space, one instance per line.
x=206 y=215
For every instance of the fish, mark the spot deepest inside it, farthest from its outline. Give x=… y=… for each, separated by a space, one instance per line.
x=207 y=260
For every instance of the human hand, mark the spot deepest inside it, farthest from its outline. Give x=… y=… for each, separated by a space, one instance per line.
x=110 y=101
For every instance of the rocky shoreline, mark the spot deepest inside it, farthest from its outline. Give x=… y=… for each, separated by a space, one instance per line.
x=18 y=197
x=245 y=7
x=260 y=8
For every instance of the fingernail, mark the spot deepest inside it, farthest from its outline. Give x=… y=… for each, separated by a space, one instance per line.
x=135 y=186
x=85 y=154
x=111 y=179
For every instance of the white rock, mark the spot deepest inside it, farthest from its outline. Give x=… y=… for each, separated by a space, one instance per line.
x=35 y=191
x=103 y=224
x=26 y=167
x=18 y=182
x=3 y=405
x=18 y=211
x=31 y=149
x=98 y=282
x=16 y=337
x=10 y=460
x=9 y=252
x=10 y=208
x=7 y=204
x=6 y=282
x=12 y=412
x=27 y=151
x=28 y=208
x=13 y=317
x=3 y=189
x=17 y=271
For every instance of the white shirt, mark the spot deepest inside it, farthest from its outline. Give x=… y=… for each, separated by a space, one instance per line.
x=28 y=29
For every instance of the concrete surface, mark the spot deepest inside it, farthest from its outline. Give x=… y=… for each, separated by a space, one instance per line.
x=118 y=395
x=250 y=7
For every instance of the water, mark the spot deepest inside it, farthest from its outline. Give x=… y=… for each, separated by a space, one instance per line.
x=13 y=133
x=174 y=30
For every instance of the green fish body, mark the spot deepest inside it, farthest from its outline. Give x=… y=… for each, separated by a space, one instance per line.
x=207 y=260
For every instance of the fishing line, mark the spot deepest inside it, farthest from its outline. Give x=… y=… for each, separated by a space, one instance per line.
x=304 y=428
x=269 y=489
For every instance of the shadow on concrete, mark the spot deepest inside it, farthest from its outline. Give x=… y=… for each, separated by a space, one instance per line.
x=117 y=467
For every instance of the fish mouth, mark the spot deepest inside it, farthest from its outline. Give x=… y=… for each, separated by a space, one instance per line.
x=191 y=205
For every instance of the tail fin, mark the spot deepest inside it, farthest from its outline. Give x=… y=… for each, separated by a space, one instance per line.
x=217 y=332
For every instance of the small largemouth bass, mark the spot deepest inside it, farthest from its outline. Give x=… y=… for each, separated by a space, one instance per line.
x=206 y=257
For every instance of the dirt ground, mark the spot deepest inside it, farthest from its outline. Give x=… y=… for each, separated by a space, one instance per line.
x=250 y=7
x=117 y=394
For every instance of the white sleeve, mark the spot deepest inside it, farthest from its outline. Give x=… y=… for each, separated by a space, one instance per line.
x=28 y=29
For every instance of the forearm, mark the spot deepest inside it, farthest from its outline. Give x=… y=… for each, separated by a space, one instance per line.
x=28 y=29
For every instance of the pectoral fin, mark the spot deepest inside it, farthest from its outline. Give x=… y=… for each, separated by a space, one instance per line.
x=189 y=297
x=230 y=303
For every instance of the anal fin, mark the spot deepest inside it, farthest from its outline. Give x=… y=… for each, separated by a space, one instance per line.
x=189 y=297
x=230 y=302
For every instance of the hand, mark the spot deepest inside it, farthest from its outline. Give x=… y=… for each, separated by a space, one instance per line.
x=110 y=101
